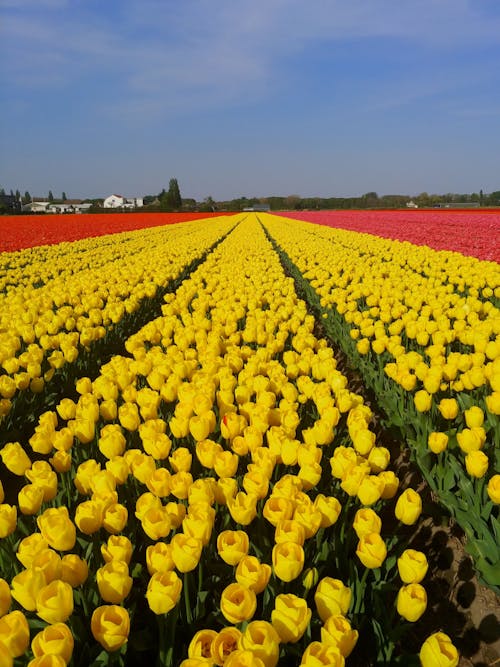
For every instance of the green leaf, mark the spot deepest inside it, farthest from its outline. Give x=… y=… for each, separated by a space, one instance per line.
x=496 y=527
x=449 y=480
x=200 y=602
x=36 y=624
x=137 y=570
x=102 y=659
x=489 y=572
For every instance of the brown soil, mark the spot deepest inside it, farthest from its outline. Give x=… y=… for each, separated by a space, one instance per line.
x=458 y=604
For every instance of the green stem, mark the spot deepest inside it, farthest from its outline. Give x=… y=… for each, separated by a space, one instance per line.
x=162 y=648
x=360 y=598
x=187 y=602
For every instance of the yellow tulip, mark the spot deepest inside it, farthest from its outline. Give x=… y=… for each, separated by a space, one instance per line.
x=371 y=550
x=238 y=603
x=110 y=625
x=290 y=617
x=438 y=651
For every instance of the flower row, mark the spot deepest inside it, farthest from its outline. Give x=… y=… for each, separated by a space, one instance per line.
x=57 y=300
x=424 y=328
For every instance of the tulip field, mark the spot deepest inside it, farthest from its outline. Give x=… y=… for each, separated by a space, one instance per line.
x=194 y=415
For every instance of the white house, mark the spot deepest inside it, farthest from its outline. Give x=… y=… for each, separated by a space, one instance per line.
x=69 y=207
x=45 y=206
x=38 y=206
x=119 y=201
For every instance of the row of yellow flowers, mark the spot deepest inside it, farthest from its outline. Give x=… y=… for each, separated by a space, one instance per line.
x=223 y=479
x=424 y=326
x=56 y=300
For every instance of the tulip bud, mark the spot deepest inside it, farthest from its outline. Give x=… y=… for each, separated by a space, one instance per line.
x=332 y=597
x=110 y=625
x=74 y=570
x=422 y=400
x=494 y=489
x=232 y=545
x=200 y=645
x=290 y=617
x=54 y=602
x=411 y=602
x=8 y=519
x=114 y=581
x=476 y=464
x=14 y=633
x=321 y=653
x=408 y=507
x=448 y=407
x=288 y=560
x=337 y=632
x=262 y=640
x=238 y=603
x=412 y=566
x=15 y=458
x=366 y=521
x=56 y=639
x=371 y=550
x=438 y=650
x=437 y=442
x=224 y=643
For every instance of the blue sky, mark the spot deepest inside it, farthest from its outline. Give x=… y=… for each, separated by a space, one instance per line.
x=249 y=97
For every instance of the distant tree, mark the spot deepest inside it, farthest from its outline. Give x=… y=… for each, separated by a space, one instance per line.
x=164 y=201
x=369 y=200
x=50 y=196
x=276 y=203
x=26 y=198
x=208 y=205
x=493 y=199
x=422 y=199
x=63 y=196
x=18 y=195
x=171 y=200
x=174 y=194
x=292 y=202
x=11 y=192
x=2 y=191
x=188 y=204
x=237 y=204
x=481 y=197
x=393 y=201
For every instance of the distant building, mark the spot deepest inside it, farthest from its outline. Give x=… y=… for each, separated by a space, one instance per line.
x=43 y=205
x=119 y=201
x=411 y=204
x=39 y=205
x=69 y=206
x=258 y=207
x=469 y=204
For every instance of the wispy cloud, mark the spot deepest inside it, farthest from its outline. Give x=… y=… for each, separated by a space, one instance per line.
x=199 y=48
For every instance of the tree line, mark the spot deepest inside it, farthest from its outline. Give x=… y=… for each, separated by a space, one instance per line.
x=171 y=200
x=370 y=200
